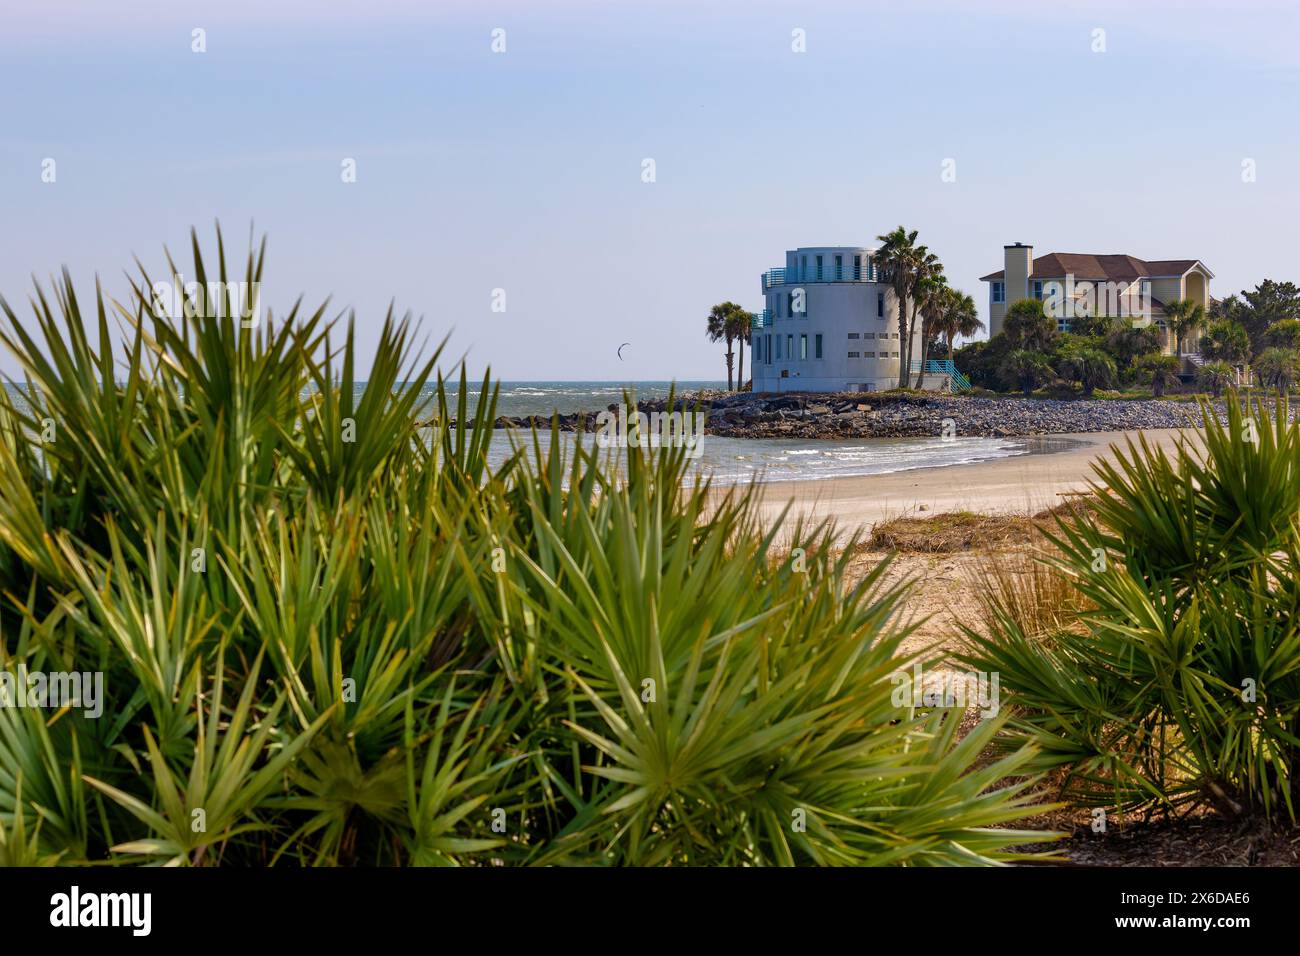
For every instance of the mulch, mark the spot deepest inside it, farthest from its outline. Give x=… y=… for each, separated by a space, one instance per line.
x=1206 y=841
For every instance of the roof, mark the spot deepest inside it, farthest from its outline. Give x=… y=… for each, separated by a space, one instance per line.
x=1108 y=268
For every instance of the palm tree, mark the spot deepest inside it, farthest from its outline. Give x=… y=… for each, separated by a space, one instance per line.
x=928 y=277
x=1027 y=326
x=1129 y=343
x=730 y=323
x=1183 y=317
x=1227 y=341
x=1089 y=367
x=931 y=292
x=1215 y=376
x=1278 y=368
x=898 y=260
x=1028 y=368
x=743 y=338
x=959 y=317
x=1163 y=369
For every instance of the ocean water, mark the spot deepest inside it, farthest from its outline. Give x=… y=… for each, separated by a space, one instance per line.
x=741 y=460
x=737 y=460
x=518 y=399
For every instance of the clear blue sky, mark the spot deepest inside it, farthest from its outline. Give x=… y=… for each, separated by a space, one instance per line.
x=522 y=170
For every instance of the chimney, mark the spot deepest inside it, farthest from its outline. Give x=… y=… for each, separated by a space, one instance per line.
x=1018 y=264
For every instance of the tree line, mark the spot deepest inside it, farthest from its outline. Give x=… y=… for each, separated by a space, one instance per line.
x=1256 y=333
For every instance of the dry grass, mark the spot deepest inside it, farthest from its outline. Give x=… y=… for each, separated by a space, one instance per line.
x=988 y=570
x=1024 y=589
x=951 y=531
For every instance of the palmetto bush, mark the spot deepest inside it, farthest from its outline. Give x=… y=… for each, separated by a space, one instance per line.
x=386 y=650
x=1181 y=684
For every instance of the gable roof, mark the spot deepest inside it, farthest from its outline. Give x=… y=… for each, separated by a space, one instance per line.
x=1108 y=268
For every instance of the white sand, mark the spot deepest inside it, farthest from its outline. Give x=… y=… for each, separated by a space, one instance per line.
x=1025 y=484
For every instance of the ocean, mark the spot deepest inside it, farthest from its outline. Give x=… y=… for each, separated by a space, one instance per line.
x=738 y=460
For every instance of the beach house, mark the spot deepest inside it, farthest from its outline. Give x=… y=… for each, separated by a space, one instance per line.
x=1072 y=285
x=830 y=325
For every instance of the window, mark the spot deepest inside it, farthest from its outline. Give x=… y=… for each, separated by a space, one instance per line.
x=767 y=347
x=819 y=268
x=999 y=292
x=778 y=347
x=857 y=268
x=868 y=335
x=817 y=347
x=853 y=355
x=880 y=305
x=893 y=355
x=778 y=307
x=803 y=267
x=853 y=335
x=789 y=346
x=803 y=346
x=1038 y=289
x=839 y=268
x=789 y=305
x=868 y=354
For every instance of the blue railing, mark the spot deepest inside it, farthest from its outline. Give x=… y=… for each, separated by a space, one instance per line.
x=760 y=319
x=778 y=276
x=944 y=367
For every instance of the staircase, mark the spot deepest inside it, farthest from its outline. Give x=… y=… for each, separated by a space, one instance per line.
x=958 y=381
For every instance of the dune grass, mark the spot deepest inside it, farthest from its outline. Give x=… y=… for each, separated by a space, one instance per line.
x=1161 y=670
x=330 y=635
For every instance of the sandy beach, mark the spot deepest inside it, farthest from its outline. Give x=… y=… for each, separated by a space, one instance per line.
x=1024 y=484
x=945 y=585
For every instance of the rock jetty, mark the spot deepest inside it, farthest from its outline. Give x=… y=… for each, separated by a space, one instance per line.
x=901 y=415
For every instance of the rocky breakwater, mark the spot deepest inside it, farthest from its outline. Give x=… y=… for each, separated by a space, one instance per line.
x=884 y=415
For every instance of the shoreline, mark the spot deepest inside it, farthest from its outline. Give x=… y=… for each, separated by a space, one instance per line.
x=1020 y=484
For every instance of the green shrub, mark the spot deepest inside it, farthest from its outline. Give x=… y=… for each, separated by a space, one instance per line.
x=1160 y=372
x=332 y=634
x=1278 y=368
x=1215 y=377
x=1182 y=684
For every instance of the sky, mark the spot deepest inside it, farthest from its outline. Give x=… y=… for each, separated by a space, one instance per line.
x=522 y=170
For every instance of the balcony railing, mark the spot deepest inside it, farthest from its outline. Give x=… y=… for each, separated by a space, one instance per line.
x=780 y=276
x=959 y=381
x=761 y=319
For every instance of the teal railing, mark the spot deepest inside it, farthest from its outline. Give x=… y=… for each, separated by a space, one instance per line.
x=944 y=367
x=760 y=319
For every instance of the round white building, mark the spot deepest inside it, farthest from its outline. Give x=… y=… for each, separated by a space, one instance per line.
x=829 y=325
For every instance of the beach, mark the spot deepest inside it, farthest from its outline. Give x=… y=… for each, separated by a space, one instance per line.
x=1024 y=484
x=945 y=584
